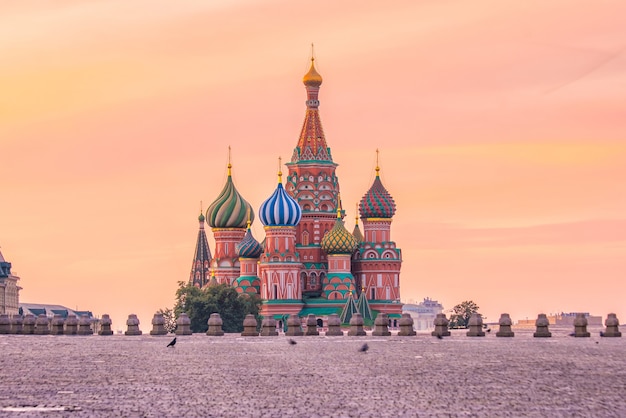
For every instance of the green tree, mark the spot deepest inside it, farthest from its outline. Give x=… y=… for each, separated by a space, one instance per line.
x=170 y=319
x=461 y=314
x=199 y=304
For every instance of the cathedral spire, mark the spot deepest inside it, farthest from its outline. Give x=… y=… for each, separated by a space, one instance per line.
x=202 y=256
x=312 y=142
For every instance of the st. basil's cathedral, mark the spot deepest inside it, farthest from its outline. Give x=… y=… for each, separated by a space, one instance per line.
x=308 y=263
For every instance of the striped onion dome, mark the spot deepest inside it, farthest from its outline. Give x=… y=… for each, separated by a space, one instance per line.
x=377 y=202
x=248 y=247
x=339 y=240
x=229 y=210
x=280 y=209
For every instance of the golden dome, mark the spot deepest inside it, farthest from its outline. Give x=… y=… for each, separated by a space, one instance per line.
x=312 y=78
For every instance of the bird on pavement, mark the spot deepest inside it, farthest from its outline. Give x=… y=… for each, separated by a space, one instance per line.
x=292 y=342
x=364 y=348
x=172 y=343
x=439 y=337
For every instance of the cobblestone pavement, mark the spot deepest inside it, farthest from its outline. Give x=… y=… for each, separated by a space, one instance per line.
x=233 y=376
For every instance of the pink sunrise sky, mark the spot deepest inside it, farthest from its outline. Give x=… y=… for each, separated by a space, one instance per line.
x=501 y=128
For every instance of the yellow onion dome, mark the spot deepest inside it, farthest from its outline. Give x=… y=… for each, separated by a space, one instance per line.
x=312 y=78
x=339 y=240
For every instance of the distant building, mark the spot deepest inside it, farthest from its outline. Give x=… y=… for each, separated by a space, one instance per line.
x=51 y=310
x=9 y=290
x=424 y=313
x=564 y=318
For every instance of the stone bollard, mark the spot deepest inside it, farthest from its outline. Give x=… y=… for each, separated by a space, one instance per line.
x=356 y=326
x=215 y=325
x=542 y=326
x=268 y=327
x=158 y=325
x=105 y=325
x=183 y=324
x=132 y=325
x=17 y=323
x=71 y=325
x=441 y=326
x=5 y=324
x=84 y=325
x=56 y=325
x=42 y=325
x=311 y=325
x=28 y=326
x=505 y=326
x=612 y=326
x=249 y=326
x=381 y=326
x=334 y=326
x=475 y=326
x=580 y=326
x=406 y=326
x=294 y=326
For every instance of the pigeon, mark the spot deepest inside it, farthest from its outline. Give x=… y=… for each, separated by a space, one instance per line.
x=573 y=334
x=172 y=343
x=364 y=348
x=439 y=337
x=601 y=334
x=488 y=329
x=292 y=342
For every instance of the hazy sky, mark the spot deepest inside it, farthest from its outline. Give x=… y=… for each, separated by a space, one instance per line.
x=501 y=128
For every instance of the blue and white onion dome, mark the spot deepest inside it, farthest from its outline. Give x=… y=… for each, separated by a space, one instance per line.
x=280 y=209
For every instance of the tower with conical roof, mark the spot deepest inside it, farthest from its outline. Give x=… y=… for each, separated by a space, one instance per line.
x=200 y=267
x=279 y=264
x=376 y=264
x=227 y=216
x=313 y=184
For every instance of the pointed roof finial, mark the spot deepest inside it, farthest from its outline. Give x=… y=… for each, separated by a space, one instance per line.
x=377 y=166
x=248 y=216
x=338 y=205
x=312 y=78
x=229 y=164
x=356 y=214
x=280 y=173
x=201 y=218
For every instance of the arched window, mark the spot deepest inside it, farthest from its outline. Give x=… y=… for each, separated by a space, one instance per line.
x=305 y=238
x=303 y=282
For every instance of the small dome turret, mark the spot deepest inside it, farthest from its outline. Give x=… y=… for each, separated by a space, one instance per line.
x=249 y=247
x=356 y=232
